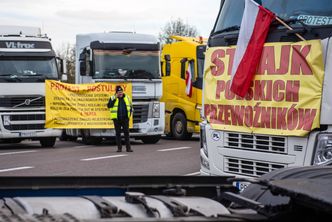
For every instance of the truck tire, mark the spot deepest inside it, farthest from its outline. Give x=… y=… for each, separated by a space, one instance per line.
x=64 y=136
x=179 y=127
x=47 y=142
x=90 y=140
x=151 y=139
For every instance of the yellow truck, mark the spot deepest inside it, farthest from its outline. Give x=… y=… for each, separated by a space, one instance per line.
x=182 y=76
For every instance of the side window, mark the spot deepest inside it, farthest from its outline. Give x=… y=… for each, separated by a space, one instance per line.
x=184 y=68
x=192 y=69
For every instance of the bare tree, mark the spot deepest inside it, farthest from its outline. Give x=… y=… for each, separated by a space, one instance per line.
x=176 y=27
x=67 y=52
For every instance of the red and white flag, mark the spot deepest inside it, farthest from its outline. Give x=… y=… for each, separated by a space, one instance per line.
x=189 y=85
x=254 y=28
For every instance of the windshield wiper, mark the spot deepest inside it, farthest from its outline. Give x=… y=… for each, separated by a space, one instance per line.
x=303 y=29
x=228 y=29
x=140 y=73
x=39 y=77
x=11 y=77
x=115 y=73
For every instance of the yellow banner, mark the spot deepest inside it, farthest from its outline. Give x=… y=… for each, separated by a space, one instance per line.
x=284 y=97
x=80 y=106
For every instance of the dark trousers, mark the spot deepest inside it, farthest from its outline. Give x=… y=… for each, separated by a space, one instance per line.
x=124 y=124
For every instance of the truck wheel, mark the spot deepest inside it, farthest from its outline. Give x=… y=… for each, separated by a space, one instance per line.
x=72 y=138
x=90 y=140
x=64 y=136
x=47 y=141
x=151 y=139
x=179 y=126
x=86 y=140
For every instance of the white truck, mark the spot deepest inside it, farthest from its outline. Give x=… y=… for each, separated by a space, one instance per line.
x=123 y=57
x=243 y=154
x=26 y=61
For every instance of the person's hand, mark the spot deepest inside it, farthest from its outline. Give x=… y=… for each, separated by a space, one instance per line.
x=119 y=94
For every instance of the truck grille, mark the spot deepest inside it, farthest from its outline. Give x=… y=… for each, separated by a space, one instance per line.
x=141 y=113
x=22 y=101
x=263 y=143
x=139 y=89
x=25 y=127
x=249 y=167
x=34 y=122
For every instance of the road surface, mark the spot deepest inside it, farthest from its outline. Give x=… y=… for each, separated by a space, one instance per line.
x=167 y=157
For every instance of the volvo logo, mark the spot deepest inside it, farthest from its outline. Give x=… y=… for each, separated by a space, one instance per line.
x=27 y=102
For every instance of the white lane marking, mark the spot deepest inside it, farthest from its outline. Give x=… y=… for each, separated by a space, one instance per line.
x=176 y=148
x=83 y=146
x=18 y=152
x=103 y=157
x=193 y=174
x=16 y=168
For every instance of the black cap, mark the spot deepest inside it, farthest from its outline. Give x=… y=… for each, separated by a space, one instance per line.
x=118 y=88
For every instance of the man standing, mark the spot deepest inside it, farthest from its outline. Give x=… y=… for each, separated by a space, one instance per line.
x=120 y=106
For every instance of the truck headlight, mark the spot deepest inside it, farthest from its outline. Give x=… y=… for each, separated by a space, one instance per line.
x=203 y=139
x=323 y=155
x=156 y=110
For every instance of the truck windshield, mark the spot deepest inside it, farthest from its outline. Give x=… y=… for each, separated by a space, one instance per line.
x=27 y=69
x=313 y=13
x=126 y=64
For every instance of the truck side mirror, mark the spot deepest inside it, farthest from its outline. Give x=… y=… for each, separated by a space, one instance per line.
x=167 y=58
x=62 y=64
x=201 y=51
x=83 y=63
x=168 y=68
x=82 y=68
x=64 y=76
x=167 y=64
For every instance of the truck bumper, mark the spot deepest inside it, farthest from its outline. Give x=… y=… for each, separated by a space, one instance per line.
x=153 y=127
x=25 y=125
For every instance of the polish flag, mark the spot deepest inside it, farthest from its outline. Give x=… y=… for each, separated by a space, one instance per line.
x=255 y=26
x=189 y=85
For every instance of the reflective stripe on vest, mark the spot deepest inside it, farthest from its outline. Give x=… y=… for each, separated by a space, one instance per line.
x=114 y=109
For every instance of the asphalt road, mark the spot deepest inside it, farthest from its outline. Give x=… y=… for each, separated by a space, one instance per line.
x=167 y=157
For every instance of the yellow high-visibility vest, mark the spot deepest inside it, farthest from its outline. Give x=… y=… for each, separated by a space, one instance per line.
x=114 y=109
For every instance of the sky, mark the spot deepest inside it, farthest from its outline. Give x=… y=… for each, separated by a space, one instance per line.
x=62 y=19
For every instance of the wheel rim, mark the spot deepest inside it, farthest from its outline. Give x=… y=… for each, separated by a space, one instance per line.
x=178 y=127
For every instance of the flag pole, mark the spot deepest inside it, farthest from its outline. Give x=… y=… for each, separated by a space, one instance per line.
x=290 y=28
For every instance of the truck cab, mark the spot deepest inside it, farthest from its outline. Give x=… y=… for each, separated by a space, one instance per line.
x=26 y=61
x=182 y=110
x=123 y=57
x=250 y=154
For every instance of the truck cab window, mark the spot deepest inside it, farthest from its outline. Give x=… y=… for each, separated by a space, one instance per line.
x=313 y=13
x=115 y=64
x=184 y=67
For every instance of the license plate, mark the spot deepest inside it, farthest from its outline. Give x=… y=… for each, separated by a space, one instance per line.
x=241 y=186
x=28 y=134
